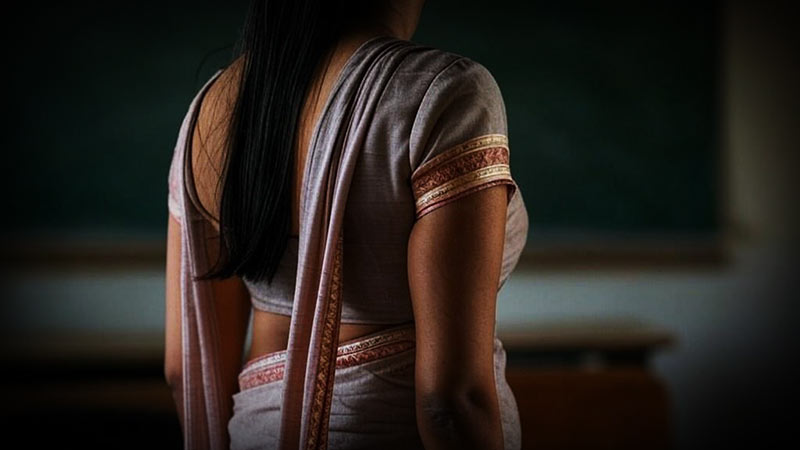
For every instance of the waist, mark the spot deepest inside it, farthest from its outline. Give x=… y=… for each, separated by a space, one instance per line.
x=270 y=331
x=270 y=367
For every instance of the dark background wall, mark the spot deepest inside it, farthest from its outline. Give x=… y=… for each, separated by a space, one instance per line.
x=612 y=109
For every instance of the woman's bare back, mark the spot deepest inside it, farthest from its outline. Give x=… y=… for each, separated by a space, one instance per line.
x=270 y=330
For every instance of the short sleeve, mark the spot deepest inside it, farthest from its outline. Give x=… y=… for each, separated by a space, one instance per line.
x=175 y=181
x=459 y=142
x=175 y=185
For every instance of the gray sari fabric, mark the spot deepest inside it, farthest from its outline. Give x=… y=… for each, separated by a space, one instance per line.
x=373 y=397
x=405 y=130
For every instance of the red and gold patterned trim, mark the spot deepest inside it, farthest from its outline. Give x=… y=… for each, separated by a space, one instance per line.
x=323 y=389
x=270 y=367
x=476 y=164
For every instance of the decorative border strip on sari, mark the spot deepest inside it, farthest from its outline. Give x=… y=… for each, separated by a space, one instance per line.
x=270 y=367
x=317 y=431
x=476 y=164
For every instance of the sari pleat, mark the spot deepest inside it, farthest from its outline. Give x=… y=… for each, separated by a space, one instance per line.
x=313 y=336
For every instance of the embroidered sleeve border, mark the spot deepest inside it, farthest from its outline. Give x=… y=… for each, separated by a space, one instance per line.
x=473 y=165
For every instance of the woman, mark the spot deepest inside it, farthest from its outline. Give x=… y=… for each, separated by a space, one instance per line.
x=353 y=189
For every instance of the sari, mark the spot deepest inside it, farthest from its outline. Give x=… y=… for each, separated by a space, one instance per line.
x=454 y=139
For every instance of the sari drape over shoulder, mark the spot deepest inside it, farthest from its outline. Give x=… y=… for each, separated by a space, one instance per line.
x=450 y=139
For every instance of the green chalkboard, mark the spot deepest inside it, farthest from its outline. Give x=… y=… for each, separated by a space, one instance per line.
x=100 y=92
x=612 y=109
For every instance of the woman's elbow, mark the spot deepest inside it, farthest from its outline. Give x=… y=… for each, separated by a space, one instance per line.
x=459 y=402
x=173 y=374
x=468 y=418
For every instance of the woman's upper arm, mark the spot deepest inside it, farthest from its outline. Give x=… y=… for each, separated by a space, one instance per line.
x=172 y=356
x=454 y=258
x=172 y=322
x=462 y=184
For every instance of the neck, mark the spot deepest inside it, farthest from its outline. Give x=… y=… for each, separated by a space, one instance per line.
x=396 y=18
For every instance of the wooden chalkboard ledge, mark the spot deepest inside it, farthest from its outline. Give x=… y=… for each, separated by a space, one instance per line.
x=584 y=343
x=66 y=254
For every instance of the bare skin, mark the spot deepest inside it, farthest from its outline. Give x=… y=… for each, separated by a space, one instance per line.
x=453 y=271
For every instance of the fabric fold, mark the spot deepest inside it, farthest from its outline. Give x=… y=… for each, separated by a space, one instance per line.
x=334 y=150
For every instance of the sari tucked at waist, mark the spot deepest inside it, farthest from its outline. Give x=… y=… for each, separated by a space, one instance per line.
x=405 y=130
x=374 y=401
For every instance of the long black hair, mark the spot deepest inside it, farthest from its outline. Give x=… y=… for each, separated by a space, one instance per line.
x=282 y=45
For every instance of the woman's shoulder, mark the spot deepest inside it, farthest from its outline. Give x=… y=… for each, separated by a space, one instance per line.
x=443 y=64
x=461 y=115
x=442 y=82
x=430 y=80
